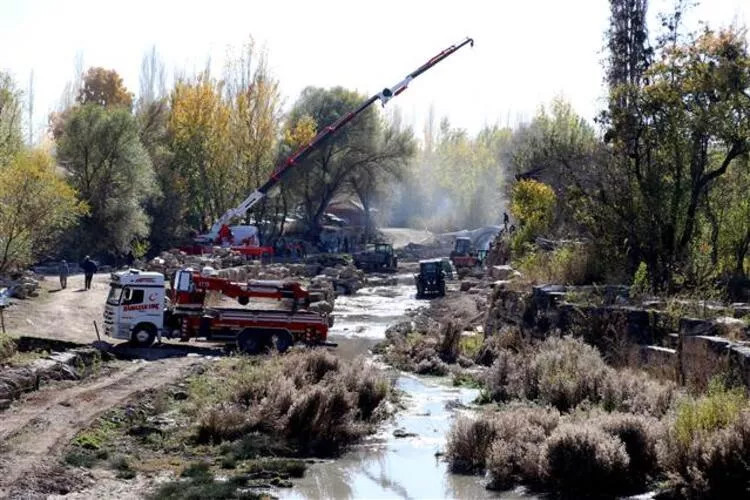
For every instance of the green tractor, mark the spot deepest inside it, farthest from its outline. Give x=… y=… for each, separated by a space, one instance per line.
x=431 y=278
x=377 y=257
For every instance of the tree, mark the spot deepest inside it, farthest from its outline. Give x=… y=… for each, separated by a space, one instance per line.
x=36 y=206
x=10 y=119
x=110 y=169
x=105 y=88
x=199 y=138
x=683 y=124
x=371 y=182
x=255 y=126
x=533 y=205
x=358 y=146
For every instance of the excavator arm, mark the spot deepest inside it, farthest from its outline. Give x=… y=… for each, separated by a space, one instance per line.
x=304 y=151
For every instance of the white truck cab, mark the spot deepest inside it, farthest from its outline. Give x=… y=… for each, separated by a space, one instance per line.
x=135 y=306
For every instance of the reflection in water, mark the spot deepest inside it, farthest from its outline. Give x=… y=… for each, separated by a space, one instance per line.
x=385 y=466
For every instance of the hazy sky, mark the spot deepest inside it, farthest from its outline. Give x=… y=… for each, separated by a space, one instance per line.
x=526 y=52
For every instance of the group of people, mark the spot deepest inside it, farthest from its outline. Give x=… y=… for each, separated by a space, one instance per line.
x=89 y=268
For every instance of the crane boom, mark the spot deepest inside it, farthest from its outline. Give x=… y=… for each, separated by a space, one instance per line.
x=304 y=151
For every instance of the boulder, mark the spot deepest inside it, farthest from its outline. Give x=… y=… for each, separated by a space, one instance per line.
x=502 y=272
x=732 y=328
x=468 y=284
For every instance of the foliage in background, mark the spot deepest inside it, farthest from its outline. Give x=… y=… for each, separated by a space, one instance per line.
x=533 y=206
x=36 y=206
x=10 y=118
x=108 y=166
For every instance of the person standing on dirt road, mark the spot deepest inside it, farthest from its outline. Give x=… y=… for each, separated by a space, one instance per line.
x=64 y=270
x=89 y=268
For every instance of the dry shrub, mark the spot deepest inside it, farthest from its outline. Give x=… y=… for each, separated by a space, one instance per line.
x=582 y=460
x=371 y=388
x=468 y=443
x=713 y=464
x=520 y=434
x=312 y=366
x=567 y=372
x=309 y=399
x=509 y=338
x=564 y=373
x=322 y=420
x=504 y=380
x=635 y=392
x=707 y=446
x=8 y=347
x=224 y=422
x=639 y=434
x=450 y=339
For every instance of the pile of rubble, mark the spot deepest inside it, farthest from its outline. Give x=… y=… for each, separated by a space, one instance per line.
x=22 y=285
x=173 y=260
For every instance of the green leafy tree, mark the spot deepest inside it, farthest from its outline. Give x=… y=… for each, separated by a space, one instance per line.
x=672 y=133
x=360 y=146
x=110 y=169
x=36 y=207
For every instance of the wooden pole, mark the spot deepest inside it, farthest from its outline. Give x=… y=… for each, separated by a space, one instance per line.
x=2 y=318
x=97 y=331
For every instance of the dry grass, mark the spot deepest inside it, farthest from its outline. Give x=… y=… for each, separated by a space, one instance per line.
x=311 y=400
x=565 y=373
x=583 y=460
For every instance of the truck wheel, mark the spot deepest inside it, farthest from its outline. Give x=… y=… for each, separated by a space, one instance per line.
x=280 y=340
x=243 y=300
x=143 y=336
x=420 y=291
x=249 y=342
x=442 y=290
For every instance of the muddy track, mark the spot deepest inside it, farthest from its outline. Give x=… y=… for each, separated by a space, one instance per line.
x=33 y=433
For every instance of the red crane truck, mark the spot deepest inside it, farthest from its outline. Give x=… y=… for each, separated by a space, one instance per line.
x=139 y=309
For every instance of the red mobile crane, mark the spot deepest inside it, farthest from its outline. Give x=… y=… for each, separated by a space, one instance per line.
x=221 y=232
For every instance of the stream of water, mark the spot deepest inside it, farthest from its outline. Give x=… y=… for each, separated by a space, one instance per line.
x=385 y=466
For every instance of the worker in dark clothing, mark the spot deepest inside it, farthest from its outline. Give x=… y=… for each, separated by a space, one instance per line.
x=506 y=220
x=64 y=270
x=130 y=259
x=89 y=268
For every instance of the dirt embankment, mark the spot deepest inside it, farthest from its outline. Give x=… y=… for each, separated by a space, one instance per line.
x=34 y=432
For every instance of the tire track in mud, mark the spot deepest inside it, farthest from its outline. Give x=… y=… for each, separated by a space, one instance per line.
x=33 y=433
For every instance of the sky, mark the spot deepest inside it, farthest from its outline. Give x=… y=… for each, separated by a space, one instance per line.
x=526 y=53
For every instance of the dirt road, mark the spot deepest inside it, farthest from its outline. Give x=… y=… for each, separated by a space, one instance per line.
x=35 y=431
x=60 y=314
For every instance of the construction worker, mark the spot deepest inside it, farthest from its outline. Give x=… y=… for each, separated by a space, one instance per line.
x=89 y=268
x=64 y=270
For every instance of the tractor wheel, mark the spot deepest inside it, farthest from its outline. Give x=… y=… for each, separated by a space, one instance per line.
x=280 y=340
x=420 y=291
x=143 y=336
x=250 y=341
x=243 y=300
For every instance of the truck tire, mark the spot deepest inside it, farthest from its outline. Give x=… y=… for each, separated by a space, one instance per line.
x=143 y=335
x=420 y=291
x=280 y=340
x=441 y=291
x=250 y=341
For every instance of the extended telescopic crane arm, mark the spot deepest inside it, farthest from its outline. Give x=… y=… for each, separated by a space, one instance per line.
x=303 y=152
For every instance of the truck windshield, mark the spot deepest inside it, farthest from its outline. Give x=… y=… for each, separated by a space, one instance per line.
x=115 y=292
